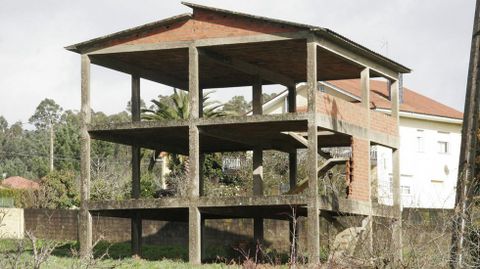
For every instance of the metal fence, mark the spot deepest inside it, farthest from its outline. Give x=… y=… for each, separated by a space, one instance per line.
x=6 y=202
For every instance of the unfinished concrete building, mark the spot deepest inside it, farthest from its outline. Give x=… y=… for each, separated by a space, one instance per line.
x=215 y=48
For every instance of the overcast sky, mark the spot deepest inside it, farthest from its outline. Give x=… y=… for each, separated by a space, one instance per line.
x=430 y=36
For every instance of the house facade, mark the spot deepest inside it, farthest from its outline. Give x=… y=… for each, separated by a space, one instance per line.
x=430 y=137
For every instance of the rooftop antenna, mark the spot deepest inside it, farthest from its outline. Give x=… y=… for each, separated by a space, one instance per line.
x=384 y=45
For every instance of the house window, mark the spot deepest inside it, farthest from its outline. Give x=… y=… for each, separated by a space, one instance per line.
x=442 y=147
x=420 y=141
x=420 y=144
x=405 y=190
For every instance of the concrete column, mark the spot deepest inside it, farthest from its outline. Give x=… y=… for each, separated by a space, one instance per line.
x=365 y=87
x=200 y=103
x=257 y=98
x=394 y=89
x=194 y=235
x=194 y=220
x=258 y=232
x=292 y=99
x=397 y=199
x=365 y=92
x=257 y=108
x=292 y=167
x=313 y=221
x=136 y=221
x=85 y=221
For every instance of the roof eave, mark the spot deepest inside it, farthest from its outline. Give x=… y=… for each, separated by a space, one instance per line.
x=87 y=45
x=423 y=116
x=325 y=32
x=315 y=29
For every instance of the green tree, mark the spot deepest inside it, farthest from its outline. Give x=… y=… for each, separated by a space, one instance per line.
x=46 y=115
x=176 y=107
x=3 y=125
x=60 y=189
x=237 y=105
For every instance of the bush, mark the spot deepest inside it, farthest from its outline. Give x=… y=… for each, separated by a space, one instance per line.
x=21 y=198
x=59 y=190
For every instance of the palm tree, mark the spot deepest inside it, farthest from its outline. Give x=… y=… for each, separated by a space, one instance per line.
x=177 y=107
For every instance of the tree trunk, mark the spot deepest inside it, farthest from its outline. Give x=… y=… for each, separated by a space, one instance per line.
x=466 y=184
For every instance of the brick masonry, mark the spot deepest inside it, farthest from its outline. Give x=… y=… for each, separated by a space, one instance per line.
x=205 y=24
x=359 y=185
x=61 y=224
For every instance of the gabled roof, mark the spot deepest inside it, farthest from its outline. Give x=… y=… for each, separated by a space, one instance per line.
x=79 y=47
x=412 y=101
x=17 y=182
x=312 y=28
x=323 y=32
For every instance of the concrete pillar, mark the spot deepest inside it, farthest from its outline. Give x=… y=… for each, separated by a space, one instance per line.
x=200 y=103
x=292 y=99
x=365 y=87
x=194 y=219
x=397 y=198
x=85 y=221
x=257 y=98
x=365 y=92
x=257 y=108
x=293 y=227
x=194 y=235
x=394 y=89
x=313 y=220
x=258 y=172
x=136 y=226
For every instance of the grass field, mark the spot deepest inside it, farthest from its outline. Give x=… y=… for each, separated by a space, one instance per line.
x=111 y=256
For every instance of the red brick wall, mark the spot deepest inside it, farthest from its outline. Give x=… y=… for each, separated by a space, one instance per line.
x=382 y=122
x=341 y=109
x=206 y=24
x=358 y=187
x=60 y=224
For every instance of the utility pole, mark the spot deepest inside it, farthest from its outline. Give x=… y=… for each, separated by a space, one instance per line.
x=467 y=182
x=51 y=146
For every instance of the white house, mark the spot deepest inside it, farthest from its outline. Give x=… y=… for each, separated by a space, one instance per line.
x=430 y=136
